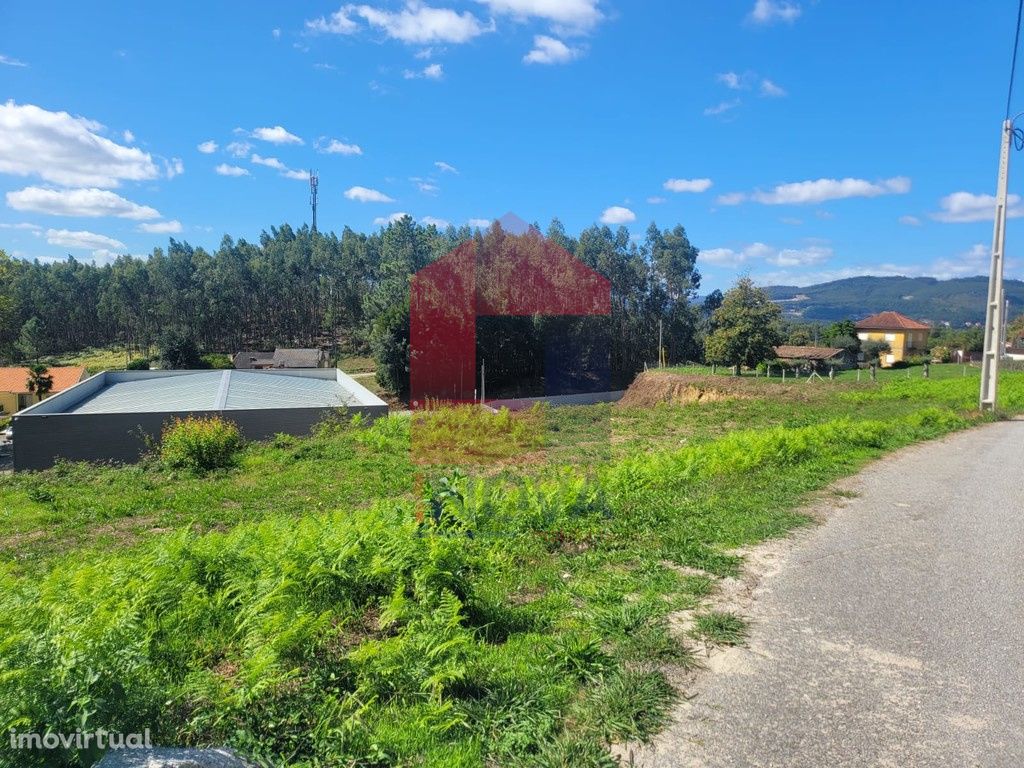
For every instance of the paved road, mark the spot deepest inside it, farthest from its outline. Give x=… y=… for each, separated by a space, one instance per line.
x=892 y=635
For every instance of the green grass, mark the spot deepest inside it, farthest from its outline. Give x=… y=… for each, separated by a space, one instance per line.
x=331 y=601
x=95 y=360
x=720 y=628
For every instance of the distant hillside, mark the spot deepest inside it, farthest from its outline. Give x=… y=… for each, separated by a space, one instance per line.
x=956 y=301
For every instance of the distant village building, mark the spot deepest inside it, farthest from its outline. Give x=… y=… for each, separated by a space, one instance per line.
x=905 y=336
x=280 y=358
x=817 y=358
x=14 y=394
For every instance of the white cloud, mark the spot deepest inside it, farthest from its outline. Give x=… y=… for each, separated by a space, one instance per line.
x=445 y=167
x=770 y=11
x=338 y=23
x=731 y=198
x=770 y=89
x=269 y=162
x=728 y=257
x=383 y=221
x=230 y=170
x=721 y=107
x=430 y=220
x=276 y=33
x=576 y=14
x=276 y=135
x=161 y=227
x=549 y=50
x=66 y=150
x=129 y=137
x=8 y=61
x=417 y=23
x=961 y=207
x=366 y=195
x=297 y=175
x=429 y=72
x=22 y=225
x=238 y=149
x=910 y=221
x=335 y=147
x=479 y=223
x=78 y=202
x=81 y=239
x=822 y=190
x=616 y=214
x=174 y=167
x=973 y=261
x=687 y=185
x=427 y=187
x=760 y=252
x=655 y=200
x=208 y=147
x=731 y=80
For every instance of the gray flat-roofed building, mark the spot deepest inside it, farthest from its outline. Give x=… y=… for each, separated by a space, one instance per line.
x=113 y=415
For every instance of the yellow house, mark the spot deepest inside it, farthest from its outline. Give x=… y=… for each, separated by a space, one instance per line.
x=14 y=394
x=904 y=335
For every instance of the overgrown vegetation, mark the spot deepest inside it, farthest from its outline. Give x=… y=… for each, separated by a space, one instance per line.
x=200 y=444
x=517 y=617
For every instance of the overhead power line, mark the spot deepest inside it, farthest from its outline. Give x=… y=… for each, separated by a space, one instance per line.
x=1013 y=61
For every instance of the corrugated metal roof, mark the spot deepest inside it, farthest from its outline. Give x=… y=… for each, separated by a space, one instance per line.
x=219 y=390
x=191 y=392
x=257 y=390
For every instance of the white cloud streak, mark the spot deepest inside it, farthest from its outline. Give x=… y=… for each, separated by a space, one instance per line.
x=276 y=135
x=616 y=214
x=88 y=203
x=688 y=185
x=67 y=150
x=550 y=50
x=367 y=195
x=230 y=170
x=965 y=207
x=335 y=147
x=417 y=23
x=81 y=239
x=823 y=190
x=771 y=11
x=161 y=227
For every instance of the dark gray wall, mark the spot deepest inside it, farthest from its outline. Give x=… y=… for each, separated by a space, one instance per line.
x=41 y=439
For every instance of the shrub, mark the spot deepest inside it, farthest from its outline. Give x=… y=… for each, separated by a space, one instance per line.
x=200 y=444
x=138 y=364
x=217 y=360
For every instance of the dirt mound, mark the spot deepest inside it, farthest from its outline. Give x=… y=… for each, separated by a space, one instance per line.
x=651 y=388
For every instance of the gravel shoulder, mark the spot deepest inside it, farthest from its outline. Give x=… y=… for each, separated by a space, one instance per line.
x=887 y=636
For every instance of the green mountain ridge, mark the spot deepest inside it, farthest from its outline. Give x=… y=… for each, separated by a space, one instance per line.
x=958 y=301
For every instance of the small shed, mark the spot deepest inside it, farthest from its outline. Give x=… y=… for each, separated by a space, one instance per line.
x=817 y=358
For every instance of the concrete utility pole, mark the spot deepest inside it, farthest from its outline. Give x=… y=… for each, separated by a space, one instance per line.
x=994 y=319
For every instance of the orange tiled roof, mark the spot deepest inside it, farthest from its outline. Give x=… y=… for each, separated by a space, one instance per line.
x=890 y=321
x=16 y=379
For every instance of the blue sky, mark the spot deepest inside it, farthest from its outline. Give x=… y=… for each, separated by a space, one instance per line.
x=796 y=140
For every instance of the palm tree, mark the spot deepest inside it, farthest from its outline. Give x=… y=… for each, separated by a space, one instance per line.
x=40 y=382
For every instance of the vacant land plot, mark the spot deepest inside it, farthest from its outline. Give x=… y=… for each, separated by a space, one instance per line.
x=456 y=589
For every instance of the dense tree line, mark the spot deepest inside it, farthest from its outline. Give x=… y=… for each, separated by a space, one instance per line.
x=348 y=292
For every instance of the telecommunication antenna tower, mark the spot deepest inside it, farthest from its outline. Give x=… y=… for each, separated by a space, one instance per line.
x=314 y=183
